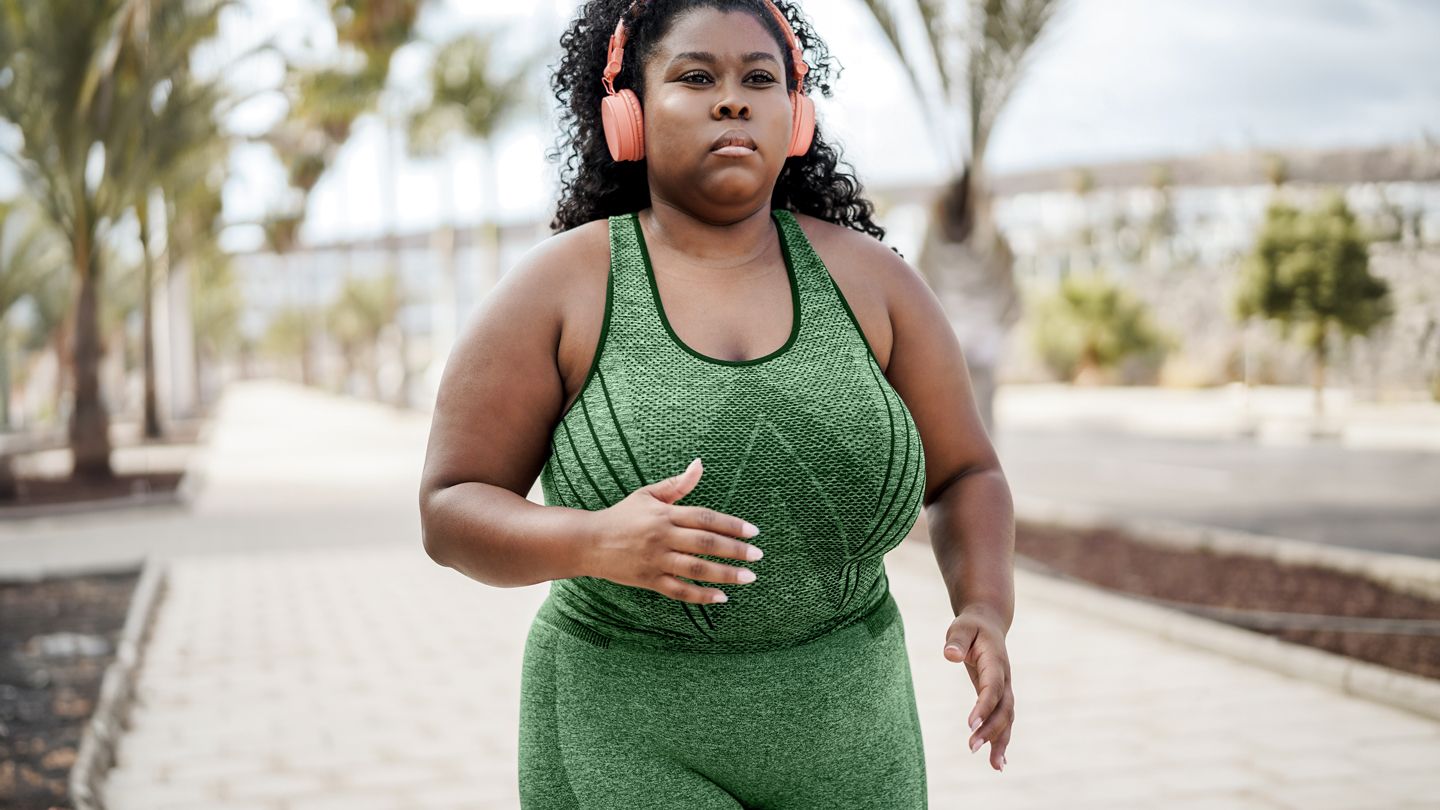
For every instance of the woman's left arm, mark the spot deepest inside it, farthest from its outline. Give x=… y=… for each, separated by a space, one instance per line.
x=969 y=509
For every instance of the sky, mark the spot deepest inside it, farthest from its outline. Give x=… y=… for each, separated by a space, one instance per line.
x=1111 y=80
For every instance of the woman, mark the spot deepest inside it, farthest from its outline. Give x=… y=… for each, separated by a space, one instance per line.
x=716 y=340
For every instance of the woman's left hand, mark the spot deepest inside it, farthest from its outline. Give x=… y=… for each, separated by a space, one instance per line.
x=977 y=638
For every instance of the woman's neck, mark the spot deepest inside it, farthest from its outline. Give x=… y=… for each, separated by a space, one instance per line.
x=707 y=244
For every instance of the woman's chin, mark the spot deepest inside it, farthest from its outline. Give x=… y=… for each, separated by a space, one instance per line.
x=733 y=183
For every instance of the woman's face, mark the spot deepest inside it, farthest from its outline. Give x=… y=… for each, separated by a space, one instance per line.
x=690 y=101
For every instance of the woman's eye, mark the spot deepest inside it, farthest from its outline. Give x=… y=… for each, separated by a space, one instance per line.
x=764 y=77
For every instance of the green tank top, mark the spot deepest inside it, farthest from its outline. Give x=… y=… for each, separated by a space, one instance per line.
x=808 y=442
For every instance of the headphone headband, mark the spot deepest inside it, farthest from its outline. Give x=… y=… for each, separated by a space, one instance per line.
x=616 y=51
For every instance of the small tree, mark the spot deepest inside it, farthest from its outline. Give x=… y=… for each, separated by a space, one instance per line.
x=285 y=336
x=1092 y=324
x=1310 y=271
x=357 y=318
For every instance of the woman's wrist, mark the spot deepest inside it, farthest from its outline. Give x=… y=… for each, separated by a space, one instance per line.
x=987 y=610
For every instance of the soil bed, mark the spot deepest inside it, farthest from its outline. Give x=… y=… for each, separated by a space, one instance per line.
x=1111 y=559
x=38 y=489
x=33 y=491
x=56 y=640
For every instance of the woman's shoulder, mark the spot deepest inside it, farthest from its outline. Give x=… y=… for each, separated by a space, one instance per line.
x=571 y=269
x=563 y=266
x=562 y=251
x=862 y=249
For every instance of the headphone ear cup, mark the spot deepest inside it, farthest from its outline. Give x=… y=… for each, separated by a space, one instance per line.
x=624 y=125
x=802 y=125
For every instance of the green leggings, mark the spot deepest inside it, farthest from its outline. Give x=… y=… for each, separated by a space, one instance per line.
x=830 y=723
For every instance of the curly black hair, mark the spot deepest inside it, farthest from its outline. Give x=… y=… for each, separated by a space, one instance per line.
x=594 y=186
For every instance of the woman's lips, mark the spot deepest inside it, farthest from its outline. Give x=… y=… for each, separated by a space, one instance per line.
x=733 y=151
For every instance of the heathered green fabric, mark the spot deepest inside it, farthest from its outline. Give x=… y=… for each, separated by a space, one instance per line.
x=796 y=694
x=808 y=442
x=826 y=725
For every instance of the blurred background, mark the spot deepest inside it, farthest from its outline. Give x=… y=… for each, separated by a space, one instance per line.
x=1191 y=250
x=323 y=193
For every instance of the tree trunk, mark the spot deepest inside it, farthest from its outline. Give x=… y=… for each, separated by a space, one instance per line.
x=147 y=329
x=4 y=375
x=401 y=396
x=61 y=342
x=198 y=359
x=974 y=280
x=9 y=488
x=374 y=352
x=307 y=367
x=89 y=422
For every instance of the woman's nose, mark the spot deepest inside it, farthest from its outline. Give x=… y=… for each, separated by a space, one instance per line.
x=732 y=109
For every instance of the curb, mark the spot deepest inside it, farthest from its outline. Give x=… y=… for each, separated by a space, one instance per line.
x=1346 y=675
x=117 y=690
x=182 y=497
x=1416 y=575
x=192 y=480
x=197 y=465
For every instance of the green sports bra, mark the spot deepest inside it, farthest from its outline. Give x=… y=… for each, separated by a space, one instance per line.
x=809 y=442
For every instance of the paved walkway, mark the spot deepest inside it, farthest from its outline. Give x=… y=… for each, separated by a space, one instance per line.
x=330 y=664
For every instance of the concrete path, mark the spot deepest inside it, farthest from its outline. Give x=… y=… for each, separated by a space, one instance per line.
x=331 y=664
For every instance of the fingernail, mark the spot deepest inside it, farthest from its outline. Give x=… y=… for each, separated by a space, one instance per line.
x=720 y=597
x=753 y=553
x=746 y=575
x=696 y=461
x=750 y=530
x=975 y=746
x=974 y=724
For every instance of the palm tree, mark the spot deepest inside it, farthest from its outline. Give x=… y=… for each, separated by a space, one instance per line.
x=192 y=210
x=285 y=337
x=217 y=304
x=282 y=235
x=30 y=253
x=52 y=314
x=81 y=105
x=325 y=102
x=177 y=126
x=378 y=28
x=358 y=317
x=467 y=100
x=979 y=60
x=63 y=97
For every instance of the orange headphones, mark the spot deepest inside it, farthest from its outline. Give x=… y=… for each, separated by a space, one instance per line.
x=624 y=122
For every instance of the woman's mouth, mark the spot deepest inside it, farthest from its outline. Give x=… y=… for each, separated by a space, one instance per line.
x=733 y=142
x=733 y=151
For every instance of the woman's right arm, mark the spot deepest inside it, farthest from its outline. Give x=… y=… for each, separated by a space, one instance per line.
x=499 y=397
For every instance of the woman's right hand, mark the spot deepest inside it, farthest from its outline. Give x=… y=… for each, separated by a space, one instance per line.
x=647 y=541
